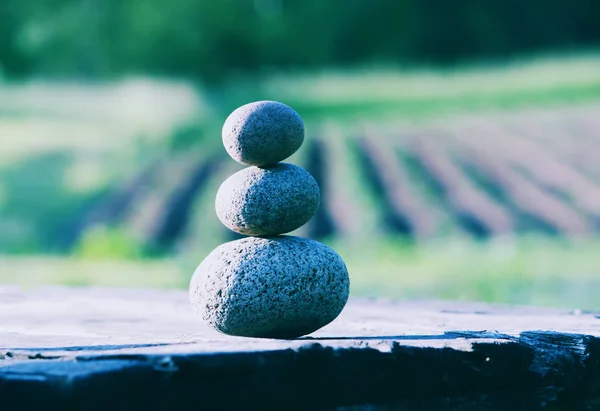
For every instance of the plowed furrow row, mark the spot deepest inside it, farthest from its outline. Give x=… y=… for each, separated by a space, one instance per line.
x=162 y=216
x=567 y=135
x=476 y=212
x=344 y=198
x=325 y=223
x=115 y=207
x=405 y=209
x=546 y=211
x=545 y=170
x=205 y=231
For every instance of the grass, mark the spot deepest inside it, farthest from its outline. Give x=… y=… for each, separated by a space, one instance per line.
x=37 y=117
x=32 y=271
x=534 y=271
x=111 y=119
x=144 y=113
x=422 y=93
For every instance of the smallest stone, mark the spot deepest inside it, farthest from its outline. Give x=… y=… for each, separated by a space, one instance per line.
x=263 y=133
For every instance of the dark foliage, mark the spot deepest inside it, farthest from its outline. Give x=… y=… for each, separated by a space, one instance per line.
x=211 y=40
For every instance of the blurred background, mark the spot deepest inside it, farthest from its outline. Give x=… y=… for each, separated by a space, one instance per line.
x=456 y=143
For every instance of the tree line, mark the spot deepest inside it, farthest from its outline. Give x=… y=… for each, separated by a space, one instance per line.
x=211 y=40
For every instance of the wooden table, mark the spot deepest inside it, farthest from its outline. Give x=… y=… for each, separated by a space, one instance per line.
x=114 y=349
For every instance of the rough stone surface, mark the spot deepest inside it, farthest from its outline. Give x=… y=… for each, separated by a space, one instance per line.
x=277 y=287
x=262 y=133
x=266 y=201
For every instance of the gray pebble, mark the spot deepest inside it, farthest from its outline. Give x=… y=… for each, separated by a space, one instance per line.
x=275 y=287
x=271 y=200
x=262 y=133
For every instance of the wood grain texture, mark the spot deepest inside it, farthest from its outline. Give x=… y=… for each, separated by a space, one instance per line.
x=118 y=349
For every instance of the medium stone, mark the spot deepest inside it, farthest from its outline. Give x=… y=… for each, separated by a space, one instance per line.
x=271 y=200
x=262 y=133
x=275 y=287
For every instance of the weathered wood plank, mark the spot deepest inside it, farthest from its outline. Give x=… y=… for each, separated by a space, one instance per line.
x=123 y=349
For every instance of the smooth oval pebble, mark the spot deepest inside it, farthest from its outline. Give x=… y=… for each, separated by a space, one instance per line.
x=276 y=287
x=271 y=200
x=262 y=133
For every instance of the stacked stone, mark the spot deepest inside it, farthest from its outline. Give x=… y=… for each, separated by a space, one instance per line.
x=268 y=285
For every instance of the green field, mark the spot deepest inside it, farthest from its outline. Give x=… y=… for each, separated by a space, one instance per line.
x=535 y=271
x=391 y=92
x=513 y=220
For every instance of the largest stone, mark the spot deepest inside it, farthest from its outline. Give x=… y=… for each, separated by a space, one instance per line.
x=276 y=287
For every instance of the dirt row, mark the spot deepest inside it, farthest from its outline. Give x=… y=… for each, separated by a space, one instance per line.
x=482 y=176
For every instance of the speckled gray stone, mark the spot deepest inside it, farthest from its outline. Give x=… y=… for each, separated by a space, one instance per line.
x=270 y=200
x=275 y=287
x=262 y=133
